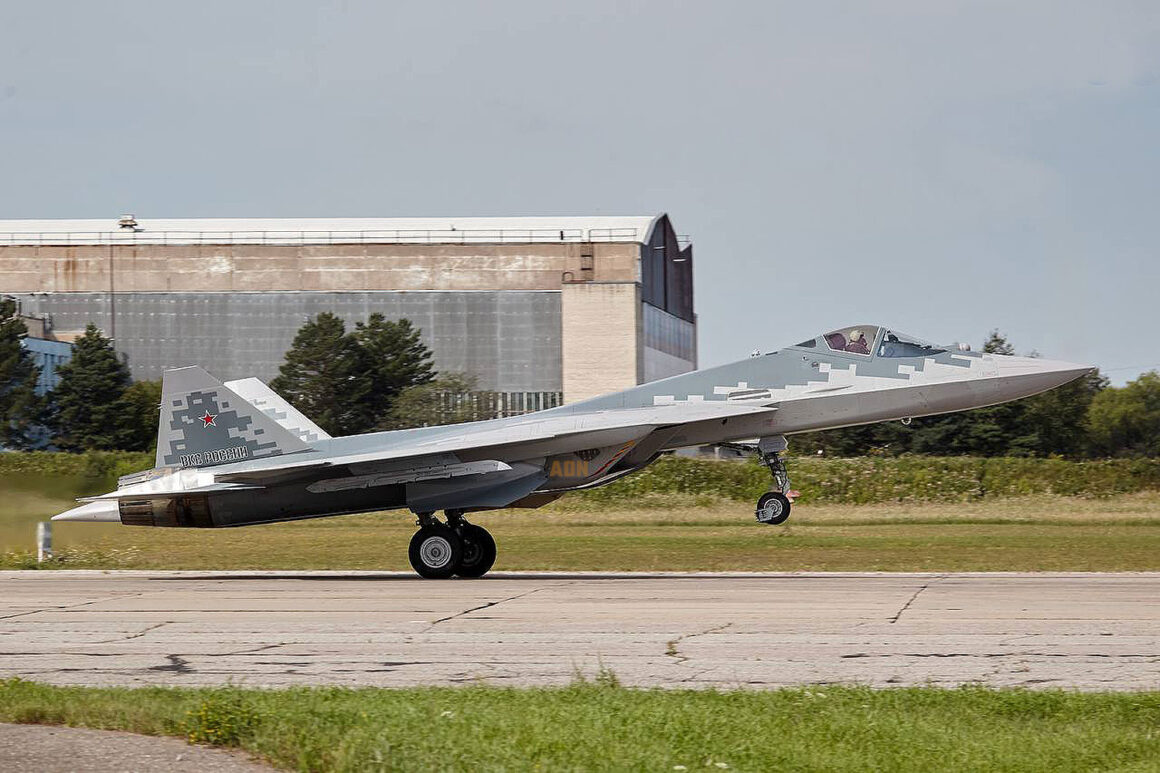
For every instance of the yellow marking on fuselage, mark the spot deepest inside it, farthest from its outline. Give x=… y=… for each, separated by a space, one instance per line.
x=569 y=468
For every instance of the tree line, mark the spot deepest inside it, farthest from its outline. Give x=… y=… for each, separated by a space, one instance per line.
x=379 y=376
x=95 y=406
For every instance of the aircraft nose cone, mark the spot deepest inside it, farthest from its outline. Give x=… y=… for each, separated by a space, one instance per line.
x=1024 y=376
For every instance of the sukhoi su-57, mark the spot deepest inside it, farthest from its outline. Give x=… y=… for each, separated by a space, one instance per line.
x=236 y=454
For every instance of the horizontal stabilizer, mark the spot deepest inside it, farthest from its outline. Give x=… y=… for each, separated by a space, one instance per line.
x=138 y=492
x=94 y=512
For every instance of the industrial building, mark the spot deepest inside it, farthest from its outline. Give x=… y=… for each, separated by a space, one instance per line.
x=47 y=352
x=540 y=309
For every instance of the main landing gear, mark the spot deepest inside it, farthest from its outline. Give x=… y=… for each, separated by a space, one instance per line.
x=774 y=505
x=439 y=550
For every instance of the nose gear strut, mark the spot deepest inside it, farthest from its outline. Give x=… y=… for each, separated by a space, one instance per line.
x=773 y=507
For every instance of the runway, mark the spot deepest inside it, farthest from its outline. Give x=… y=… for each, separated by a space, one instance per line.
x=1081 y=631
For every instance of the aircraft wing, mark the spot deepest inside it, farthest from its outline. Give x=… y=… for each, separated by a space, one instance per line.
x=580 y=430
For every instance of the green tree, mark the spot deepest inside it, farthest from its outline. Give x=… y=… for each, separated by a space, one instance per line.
x=997 y=343
x=452 y=398
x=141 y=407
x=1125 y=421
x=1057 y=422
x=881 y=439
x=395 y=359
x=323 y=376
x=19 y=404
x=87 y=410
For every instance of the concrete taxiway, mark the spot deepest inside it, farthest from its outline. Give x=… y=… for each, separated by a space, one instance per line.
x=1085 y=631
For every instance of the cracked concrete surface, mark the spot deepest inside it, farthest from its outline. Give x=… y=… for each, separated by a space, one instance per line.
x=1084 y=631
x=898 y=615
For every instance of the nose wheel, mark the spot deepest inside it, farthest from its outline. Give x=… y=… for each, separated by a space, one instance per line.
x=439 y=550
x=773 y=508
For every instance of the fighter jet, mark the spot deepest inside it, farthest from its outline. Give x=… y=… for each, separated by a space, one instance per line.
x=236 y=454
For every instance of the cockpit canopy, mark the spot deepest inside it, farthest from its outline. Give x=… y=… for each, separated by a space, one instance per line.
x=872 y=340
x=858 y=339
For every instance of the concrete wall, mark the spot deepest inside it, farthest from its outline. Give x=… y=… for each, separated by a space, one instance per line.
x=545 y=317
x=509 y=340
x=313 y=268
x=601 y=338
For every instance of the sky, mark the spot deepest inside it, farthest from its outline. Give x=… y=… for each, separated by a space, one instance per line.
x=944 y=168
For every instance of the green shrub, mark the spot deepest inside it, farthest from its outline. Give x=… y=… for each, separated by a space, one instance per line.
x=91 y=464
x=868 y=480
x=221 y=719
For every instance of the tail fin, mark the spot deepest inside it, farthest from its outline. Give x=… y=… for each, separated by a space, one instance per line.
x=271 y=403
x=205 y=423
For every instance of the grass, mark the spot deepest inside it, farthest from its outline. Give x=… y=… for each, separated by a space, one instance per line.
x=605 y=727
x=673 y=532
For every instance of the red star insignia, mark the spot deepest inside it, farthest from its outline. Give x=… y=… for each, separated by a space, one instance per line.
x=208 y=419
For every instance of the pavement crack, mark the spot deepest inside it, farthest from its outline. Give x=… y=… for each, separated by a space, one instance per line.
x=249 y=651
x=29 y=612
x=672 y=648
x=137 y=635
x=487 y=605
x=912 y=599
x=63 y=607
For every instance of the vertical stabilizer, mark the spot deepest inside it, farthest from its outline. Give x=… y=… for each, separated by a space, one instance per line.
x=205 y=423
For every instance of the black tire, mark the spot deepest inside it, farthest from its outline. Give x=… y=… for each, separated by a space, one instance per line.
x=478 y=551
x=773 y=508
x=435 y=552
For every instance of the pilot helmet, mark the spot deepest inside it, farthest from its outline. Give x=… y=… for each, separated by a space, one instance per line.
x=856 y=334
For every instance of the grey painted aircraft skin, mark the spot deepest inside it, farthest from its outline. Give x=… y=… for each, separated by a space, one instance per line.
x=236 y=454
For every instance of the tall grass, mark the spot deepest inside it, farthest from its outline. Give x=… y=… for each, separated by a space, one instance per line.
x=605 y=727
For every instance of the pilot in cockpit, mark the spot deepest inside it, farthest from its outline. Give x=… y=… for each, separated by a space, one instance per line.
x=857 y=343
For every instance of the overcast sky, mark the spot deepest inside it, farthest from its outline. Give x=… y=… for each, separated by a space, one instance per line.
x=942 y=167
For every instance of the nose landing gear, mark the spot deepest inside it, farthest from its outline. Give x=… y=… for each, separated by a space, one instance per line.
x=774 y=505
x=439 y=550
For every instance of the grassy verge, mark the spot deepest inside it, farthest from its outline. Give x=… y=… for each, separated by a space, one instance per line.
x=603 y=727
x=673 y=532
